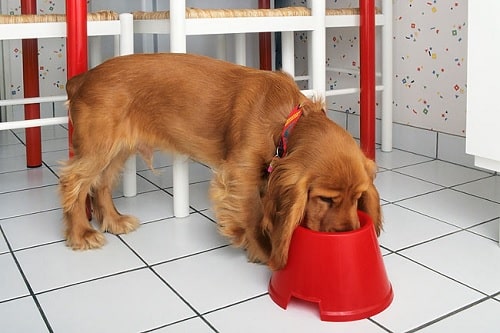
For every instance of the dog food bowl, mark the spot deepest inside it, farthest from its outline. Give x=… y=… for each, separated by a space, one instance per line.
x=343 y=272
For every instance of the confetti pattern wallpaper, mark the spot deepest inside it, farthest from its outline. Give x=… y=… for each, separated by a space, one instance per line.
x=430 y=44
x=430 y=47
x=51 y=60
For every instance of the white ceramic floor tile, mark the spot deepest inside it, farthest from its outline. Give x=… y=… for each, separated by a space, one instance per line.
x=488 y=188
x=21 y=316
x=55 y=158
x=54 y=144
x=112 y=287
x=403 y=228
x=163 y=177
x=263 y=315
x=420 y=295
x=34 y=229
x=48 y=133
x=215 y=279
x=195 y=325
x=198 y=195
x=150 y=206
x=131 y=302
x=11 y=281
x=142 y=186
x=7 y=138
x=55 y=265
x=398 y=158
x=54 y=132
x=26 y=179
x=209 y=213
x=488 y=229
x=394 y=186
x=28 y=201
x=9 y=151
x=443 y=173
x=3 y=245
x=461 y=256
x=173 y=238
x=14 y=163
x=479 y=318
x=454 y=207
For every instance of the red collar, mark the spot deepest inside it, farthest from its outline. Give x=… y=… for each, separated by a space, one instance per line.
x=290 y=123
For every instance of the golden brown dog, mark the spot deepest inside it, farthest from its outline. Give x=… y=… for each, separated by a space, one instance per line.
x=226 y=116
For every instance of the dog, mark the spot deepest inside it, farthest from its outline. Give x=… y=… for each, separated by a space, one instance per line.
x=278 y=160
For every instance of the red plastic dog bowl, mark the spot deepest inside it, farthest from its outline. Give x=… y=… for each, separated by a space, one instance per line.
x=343 y=272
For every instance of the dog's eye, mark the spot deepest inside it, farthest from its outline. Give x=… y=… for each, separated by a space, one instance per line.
x=326 y=200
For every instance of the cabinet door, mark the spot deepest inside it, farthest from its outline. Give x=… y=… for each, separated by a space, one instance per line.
x=483 y=84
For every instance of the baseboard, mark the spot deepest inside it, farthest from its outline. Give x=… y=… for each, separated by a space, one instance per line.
x=440 y=145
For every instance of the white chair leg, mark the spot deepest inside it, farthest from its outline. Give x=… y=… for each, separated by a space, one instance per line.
x=240 y=49
x=126 y=46
x=181 y=185
x=130 y=178
x=221 y=47
x=317 y=49
x=181 y=164
x=288 y=52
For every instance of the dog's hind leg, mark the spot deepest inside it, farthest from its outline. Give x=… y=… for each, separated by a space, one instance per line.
x=76 y=180
x=104 y=209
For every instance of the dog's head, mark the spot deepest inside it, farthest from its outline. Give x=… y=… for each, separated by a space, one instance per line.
x=321 y=183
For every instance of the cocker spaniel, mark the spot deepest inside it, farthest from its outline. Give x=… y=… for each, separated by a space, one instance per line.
x=278 y=160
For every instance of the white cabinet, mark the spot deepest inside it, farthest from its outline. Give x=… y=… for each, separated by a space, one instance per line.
x=483 y=87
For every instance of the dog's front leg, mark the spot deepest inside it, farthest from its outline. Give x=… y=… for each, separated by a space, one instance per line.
x=238 y=208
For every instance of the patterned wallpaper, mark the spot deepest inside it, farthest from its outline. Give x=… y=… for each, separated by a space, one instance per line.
x=429 y=61
x=51 y=61
x=430 y=64
x=430 y=48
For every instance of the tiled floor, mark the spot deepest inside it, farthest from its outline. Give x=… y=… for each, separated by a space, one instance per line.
x=440 y=248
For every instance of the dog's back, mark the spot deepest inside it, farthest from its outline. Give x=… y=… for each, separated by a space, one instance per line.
x=140 y=98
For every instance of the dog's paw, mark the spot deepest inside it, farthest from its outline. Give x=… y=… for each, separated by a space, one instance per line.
x=90 y=239
x=121 y=225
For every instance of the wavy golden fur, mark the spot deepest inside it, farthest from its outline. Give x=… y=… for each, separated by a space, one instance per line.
x=230 y=118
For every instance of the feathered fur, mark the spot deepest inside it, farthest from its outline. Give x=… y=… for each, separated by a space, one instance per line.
x=228 y=117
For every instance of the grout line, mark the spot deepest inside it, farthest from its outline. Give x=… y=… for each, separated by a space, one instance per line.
x=101 y=277
x=442 y=274
x=151 y=268
x=474 y=195
x=189 y=255
x=398 y=203
x=171 y=324
x=28 y=214
x=236 y=303
x=415 y=196
x=26 y=282
x=448 y=315
x=427 y=241
x=379 y=325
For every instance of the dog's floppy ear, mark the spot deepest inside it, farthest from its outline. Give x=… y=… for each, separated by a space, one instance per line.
x=284 y=207
x=370 y=199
